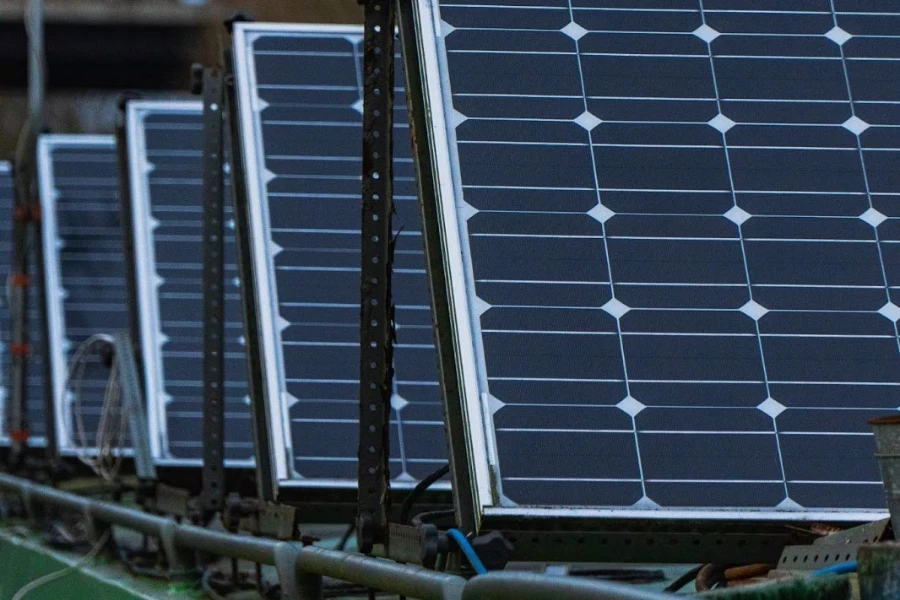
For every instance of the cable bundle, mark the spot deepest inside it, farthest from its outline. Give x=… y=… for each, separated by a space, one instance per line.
x=113 y=426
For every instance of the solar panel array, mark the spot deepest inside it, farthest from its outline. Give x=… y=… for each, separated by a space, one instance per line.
x=300 y=97
x=34 y=390
x=84 y=270
x=165 y=145
x=676 y=230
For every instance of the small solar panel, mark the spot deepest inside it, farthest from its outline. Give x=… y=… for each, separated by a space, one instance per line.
x=165 y=152
x=300 y=101
x=84 y=271
x=671 y=231
x=35 y=390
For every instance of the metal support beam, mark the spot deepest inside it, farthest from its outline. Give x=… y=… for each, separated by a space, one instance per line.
x=212 y=495
x=133 y=407
x=376 y=314
x=26 y=212
x=265 y=484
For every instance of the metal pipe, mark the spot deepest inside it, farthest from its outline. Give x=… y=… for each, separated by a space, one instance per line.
x=387 y=575
x=253 y=549
x=36 y=75
x=528 y=586
x=311 y=563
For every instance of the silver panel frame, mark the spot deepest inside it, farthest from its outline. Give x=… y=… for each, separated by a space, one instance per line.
x=249 y=105
x=57 y=345
x=482 y=469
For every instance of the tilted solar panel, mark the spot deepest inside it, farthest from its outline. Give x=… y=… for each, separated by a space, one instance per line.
x=300 y=103
x=35 y=389
x=165 y=151
x=671 y=234
x=84 y=271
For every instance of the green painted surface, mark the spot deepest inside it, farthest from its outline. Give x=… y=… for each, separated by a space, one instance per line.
x=816 y=588
x=23 y=559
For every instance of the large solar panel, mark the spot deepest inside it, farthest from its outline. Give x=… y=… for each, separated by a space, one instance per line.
x=165 y=151
x=84 y=271
x=35 y=389
x=300 y=103
x=671 y=229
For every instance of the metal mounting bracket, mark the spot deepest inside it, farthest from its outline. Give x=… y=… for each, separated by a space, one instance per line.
x=376 y=314
x=212 y=495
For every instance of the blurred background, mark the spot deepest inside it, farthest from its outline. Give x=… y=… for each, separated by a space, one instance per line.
x=98 y=48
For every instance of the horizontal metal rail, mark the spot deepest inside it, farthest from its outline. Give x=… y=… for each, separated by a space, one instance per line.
x=301 y=568
x=528 y=586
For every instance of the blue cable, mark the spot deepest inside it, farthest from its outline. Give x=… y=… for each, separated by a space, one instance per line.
x=838 y=569
x=468 y=550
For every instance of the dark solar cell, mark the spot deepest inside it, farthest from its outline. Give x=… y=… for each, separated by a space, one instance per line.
x=166 y=145
x=84 y=271
x=300 y=93
x=677 y=237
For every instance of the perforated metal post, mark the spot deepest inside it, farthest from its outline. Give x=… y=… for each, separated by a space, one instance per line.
x=213 y=491
x=376 y=314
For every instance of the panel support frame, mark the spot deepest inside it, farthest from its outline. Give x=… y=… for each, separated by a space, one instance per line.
x=376 y=302
x=212 y=494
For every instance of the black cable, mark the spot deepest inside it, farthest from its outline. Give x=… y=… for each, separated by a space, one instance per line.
x=427 y=517
x=208 y=588
x=683 y=580
x=417 y=491
x=342 y=543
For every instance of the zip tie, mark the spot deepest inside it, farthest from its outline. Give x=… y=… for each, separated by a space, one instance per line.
x=18 y=349
x=19 y=280
x=19 y=436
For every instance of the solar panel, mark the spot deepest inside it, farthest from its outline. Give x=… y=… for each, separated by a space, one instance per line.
x=165 y=150
x=35 y=390
x=84 y=271
x=671 y=234
x=300 y=101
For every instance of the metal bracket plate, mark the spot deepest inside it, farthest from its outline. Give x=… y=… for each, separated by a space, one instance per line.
x=869 y=533
x=816 y=556
x=168 y=500
x=271 y=520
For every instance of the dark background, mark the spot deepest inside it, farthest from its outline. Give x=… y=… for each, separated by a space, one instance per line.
x=97 y=48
